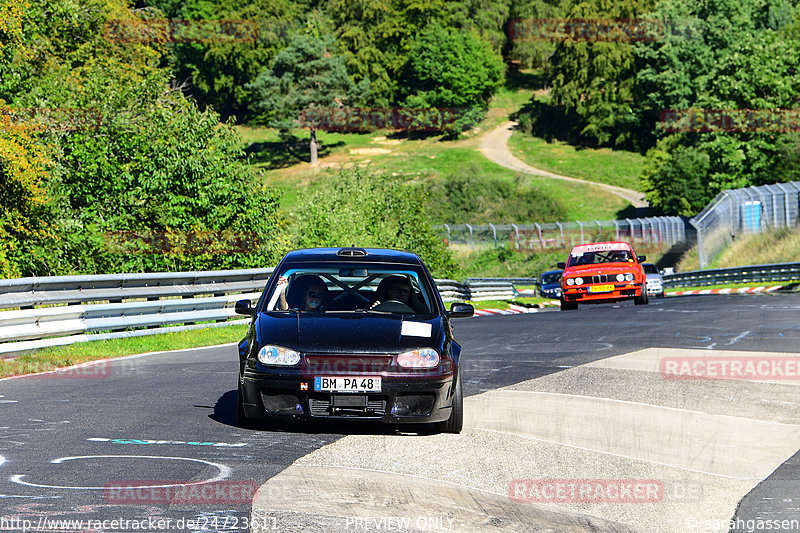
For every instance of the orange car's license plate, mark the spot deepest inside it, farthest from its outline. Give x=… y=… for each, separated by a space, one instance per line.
x=601 y=288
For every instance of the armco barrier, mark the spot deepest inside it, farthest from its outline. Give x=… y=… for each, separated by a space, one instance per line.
x=116 y=304
x=778 y=272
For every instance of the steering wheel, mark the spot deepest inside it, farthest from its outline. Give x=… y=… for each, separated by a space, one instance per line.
x=394 y=306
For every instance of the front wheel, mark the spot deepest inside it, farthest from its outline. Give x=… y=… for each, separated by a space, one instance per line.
x=242 y=420
x=455 y=423
x=642 y=298
x=568 y=306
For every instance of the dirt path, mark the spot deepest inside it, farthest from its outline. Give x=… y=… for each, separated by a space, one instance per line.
x=494 y=145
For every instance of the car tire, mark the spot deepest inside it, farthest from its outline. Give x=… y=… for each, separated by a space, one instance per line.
x=242 y=420
x=455 y=423
x=641 y=299
x=568 y=306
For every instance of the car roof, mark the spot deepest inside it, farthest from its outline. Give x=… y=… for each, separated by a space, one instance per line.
x=352 y=254
x=559 y=271
x=614 y=245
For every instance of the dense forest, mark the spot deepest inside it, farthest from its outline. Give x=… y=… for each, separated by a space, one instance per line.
x=115 y=116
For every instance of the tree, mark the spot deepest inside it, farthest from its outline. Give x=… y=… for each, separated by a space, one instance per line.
x=723 y=57
x=376 y=37
x=306 y=74
x=594 y=77
x=371 y=210
x=24 y=200
x=450 y=68
x=147 y=161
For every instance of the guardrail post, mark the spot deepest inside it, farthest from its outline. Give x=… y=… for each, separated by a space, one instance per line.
x=494 y=234
x=471 y=242
x=449 y=238
x=516 y=234
x=541 y=240
x=599 y=230
x=701 y=258
x=616 y=229
x=561 y=230
x=581 y=225
x=785 y=203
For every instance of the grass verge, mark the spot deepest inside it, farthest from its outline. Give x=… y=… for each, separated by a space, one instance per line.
x=603 y=165
x=63 y=356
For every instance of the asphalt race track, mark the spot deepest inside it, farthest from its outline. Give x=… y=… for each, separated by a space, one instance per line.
x=572 y=396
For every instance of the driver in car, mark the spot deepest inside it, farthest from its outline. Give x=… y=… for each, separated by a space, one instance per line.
x=393 y=288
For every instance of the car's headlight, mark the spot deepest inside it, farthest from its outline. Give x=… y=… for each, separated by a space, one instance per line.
x=620 y=277
x=578 y=281
x=629 y=277
x=278 y=355
x=422 y=358
x=570 y=282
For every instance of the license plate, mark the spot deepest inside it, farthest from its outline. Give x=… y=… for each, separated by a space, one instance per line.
x=601 y=288
x=347 y=384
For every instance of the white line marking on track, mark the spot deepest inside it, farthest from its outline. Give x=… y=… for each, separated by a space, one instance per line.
x=527 y=437
x=224 y=472
x=629 y=402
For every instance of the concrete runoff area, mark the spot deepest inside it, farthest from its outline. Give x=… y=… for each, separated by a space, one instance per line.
x=615 y=422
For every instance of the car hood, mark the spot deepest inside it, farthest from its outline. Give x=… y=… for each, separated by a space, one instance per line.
x=349 y=333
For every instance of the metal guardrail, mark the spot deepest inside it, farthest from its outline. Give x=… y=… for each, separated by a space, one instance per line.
x=748 y=274
x=151 y=301
x=744 y=211
x=557 y=235
x=161 y=301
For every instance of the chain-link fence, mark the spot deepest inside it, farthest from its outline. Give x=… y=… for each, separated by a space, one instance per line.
x=559 y=235
x=748 y=210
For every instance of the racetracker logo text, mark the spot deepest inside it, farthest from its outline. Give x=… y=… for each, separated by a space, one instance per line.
x=99 y=370
x=179 y=493
x=585 y=30
x=775 y=367
x=362 y=119
x=586 y=490
x=730 y=120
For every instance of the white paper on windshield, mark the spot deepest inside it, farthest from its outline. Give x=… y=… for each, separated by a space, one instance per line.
x=415 y=329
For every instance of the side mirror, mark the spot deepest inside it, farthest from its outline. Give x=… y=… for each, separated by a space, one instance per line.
x=461 y=310
x=642 y=258
x=562 y=266
x=243 y=308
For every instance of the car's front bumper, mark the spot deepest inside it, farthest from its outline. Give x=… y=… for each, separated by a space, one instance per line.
x=402 y=399
x=655 y=289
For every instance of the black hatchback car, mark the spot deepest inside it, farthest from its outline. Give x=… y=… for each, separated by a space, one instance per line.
x=351 y=333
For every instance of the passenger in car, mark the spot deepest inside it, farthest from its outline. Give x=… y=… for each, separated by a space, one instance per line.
x=306 y=293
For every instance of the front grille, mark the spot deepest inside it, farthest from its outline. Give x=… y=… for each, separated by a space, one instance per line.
x=373 y=407
x=600 y=278
x=324 y=364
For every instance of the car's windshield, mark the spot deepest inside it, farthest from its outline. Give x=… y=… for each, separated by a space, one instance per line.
x=350 y=287
x=551 y=277
x=649 y=269
x=600 y=253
